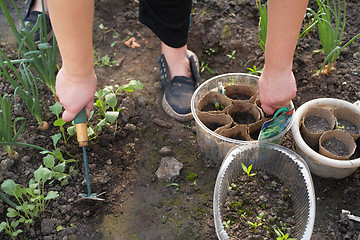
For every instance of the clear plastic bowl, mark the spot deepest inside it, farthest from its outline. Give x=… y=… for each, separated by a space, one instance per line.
x=213 y=145
x=274 y=159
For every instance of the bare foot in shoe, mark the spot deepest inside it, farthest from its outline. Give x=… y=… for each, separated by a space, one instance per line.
x=37 y=6
x=177 y=61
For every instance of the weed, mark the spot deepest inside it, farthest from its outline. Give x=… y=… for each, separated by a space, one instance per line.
x=255 y=71
x=204 y=67
x=226 y=224
x=103 y=61
x=232 y=55
x=191 y=177
x=281 y=236
x=210 y=51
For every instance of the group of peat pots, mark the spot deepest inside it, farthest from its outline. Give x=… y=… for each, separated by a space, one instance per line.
x=264 y=190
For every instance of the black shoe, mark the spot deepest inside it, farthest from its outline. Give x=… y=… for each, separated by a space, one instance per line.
x=179 y=90
x=31 y=17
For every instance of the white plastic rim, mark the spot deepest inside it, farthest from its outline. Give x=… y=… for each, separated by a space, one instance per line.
x=218 y=136
x=225 y=173
x=318 y=158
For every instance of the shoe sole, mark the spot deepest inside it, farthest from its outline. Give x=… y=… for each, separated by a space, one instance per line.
x=168 y=109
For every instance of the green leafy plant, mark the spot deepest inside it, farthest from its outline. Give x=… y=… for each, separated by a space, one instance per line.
x=226 y=224
x=191 y=176
x=8 y=131
x=247 y=170
x=309 y=23
x=204 y=67
x=25 y=87
x=210 y=51
x=10 y=228
x=331 y=29
x=281 y=236
x=255 y=71
x=254 y=225
x=103 y=61
x=42 y=56
x=107 y=104
x=231 y=55
x=262 y=24
x=57 y=109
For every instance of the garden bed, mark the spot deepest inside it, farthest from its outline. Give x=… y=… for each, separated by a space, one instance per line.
x=123 y=160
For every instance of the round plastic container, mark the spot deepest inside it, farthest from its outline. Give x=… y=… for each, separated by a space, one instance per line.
x=320 y=165
x=274 y=159
x=213 y=145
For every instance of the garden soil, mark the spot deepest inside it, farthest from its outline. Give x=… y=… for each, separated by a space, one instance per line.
x=124 y=158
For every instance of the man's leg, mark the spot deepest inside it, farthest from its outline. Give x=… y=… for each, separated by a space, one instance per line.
x=179 y=71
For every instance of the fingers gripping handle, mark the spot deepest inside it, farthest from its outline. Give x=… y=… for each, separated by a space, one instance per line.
x=81 y=128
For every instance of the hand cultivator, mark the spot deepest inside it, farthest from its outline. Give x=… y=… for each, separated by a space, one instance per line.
x=82 y=137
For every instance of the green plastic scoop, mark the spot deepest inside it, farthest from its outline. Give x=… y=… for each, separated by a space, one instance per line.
x=81 y=131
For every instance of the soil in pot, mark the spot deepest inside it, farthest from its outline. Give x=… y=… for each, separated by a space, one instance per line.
x=257 y=205
x=317 y=124
x=348 y=126
x=336 y=147
x=213 y=102
x=243 y=118
x=241 y=92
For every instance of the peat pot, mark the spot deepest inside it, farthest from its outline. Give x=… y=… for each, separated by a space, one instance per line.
x=287 y=165
x=214 y=145
x=320 y=165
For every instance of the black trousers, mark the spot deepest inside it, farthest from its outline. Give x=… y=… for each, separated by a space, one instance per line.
x=168 y=19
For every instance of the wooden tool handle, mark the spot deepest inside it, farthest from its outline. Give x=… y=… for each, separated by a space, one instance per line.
x=81 y=128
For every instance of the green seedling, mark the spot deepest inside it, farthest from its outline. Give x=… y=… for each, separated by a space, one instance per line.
x=210 y=51
x=8 y=131
x=331 y=30
x=226 y=224
x=57 y=109
x=40 y=56
x=254 y=225
x=10 y=228
x=232 y=185
x=232 y=55
x=107 y=105
x=255 y=71
x=106 y=30
x=103 y=61
x=218 y=106
x=262 y=23
x=281 y=236
x=248 y=171
x=204 y=67
x=172 y=184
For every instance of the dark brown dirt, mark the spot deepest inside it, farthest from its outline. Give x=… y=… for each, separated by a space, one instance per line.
x=123 y=160
x=336 y=147
x=316 y=124
x=256 y=205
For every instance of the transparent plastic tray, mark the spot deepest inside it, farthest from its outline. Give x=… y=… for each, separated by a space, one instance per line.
x=283 y=163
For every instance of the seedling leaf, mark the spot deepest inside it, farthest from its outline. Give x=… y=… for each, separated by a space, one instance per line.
x=111 y=116
x=49 y=161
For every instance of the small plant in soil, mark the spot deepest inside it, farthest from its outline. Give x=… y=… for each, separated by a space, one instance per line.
x=8 y=130
x=204 y=67
x=257 y=205
x=348 y=126
x=262 y=23
x=247 y=170
x=331 y=25
x=254 y=70
x=40 y=56
x=335 y=146
x=232 y=55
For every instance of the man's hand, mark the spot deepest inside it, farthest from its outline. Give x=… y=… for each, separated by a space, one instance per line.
x=75 y=93
x=276 y=89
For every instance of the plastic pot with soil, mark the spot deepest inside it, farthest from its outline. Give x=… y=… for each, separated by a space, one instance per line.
x=279 y=172
x=322 y=164
x=240 y=102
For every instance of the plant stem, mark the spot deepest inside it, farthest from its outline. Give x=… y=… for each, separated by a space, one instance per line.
x=8 y=201
x=24 y=145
